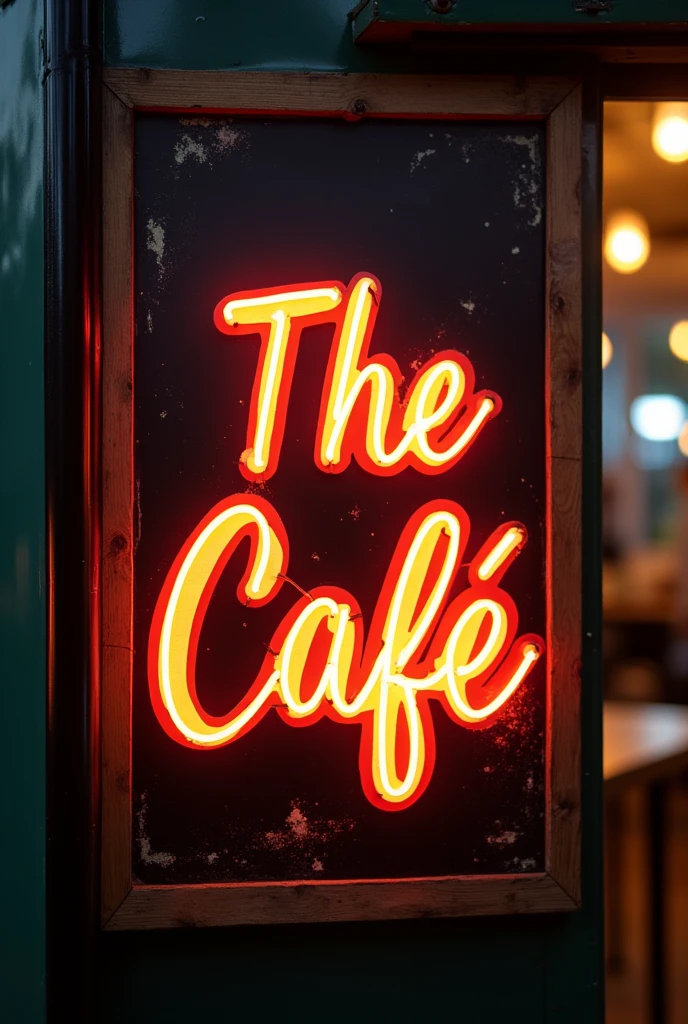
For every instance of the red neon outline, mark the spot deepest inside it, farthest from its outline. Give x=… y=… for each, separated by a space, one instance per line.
x=291 y=350
x=354 y=435
x=488 y=546
x=365 y=651
x=353 y=443
x=251 y=531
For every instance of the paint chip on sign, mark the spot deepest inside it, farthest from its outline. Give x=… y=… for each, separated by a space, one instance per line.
x=419 y=157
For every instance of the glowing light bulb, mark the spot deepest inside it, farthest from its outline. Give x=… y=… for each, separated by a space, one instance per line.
x=658 y=417
x=678 y=340
x=670 y=132
x=607 y=351
x=626 y=241
x=683 y=440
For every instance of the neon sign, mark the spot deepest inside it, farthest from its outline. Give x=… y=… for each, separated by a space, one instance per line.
x=439 y=420
x=422 y=644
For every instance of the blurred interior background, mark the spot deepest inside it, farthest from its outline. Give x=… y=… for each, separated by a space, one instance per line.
x=645 y=529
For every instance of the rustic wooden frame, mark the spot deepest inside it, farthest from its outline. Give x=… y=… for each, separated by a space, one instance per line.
x=558 y=103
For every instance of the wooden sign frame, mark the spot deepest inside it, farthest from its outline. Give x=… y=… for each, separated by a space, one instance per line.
x=557 y=102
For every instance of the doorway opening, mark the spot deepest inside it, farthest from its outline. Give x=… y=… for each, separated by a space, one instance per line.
x=645 y=574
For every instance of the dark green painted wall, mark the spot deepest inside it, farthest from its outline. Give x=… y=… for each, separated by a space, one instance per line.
x=22 y=545
x=316 y=34
x=269 y=34
x=474 y=971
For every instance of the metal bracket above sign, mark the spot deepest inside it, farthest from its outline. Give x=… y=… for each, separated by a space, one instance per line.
x=592 y=6
x=400 y=21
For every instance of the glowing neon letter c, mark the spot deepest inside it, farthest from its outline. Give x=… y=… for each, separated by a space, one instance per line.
x=181 y=609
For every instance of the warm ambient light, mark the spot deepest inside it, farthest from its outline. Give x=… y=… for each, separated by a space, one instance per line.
x=658 y=417
x=670 y=132
x=678 y=340
x=607 y=351
x=626 y=241
x=421 y=643
x=683 y=440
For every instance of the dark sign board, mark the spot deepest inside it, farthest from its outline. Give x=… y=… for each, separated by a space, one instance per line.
x=341 y=513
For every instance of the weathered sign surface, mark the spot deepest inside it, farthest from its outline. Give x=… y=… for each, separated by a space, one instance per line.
x=340 y=478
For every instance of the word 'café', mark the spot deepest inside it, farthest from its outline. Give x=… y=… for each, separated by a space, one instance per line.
x=321 y=660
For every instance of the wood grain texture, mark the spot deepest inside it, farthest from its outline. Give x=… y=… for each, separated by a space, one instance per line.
x=565 y=441
x=187 y=906
x=565 y=675
x=564 y=296
x=118 y=319
x=559 y=101
x=117 y=500
x=353 y=95
x=115 y=779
